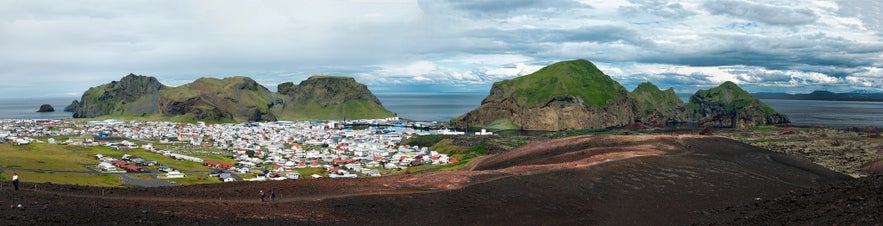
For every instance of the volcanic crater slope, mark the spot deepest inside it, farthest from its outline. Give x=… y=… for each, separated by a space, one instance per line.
x=591 y=180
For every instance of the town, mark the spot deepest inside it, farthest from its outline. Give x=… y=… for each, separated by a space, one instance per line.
x=253 y=151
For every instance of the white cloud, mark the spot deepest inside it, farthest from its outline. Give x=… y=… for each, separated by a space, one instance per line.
x=687 y=44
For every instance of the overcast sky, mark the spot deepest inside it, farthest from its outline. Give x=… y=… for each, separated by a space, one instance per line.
x=61 y=48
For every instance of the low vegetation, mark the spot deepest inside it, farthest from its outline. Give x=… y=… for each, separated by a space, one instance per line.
x=565 y=78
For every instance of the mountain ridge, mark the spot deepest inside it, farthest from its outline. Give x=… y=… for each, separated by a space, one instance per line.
x=231 y=99
x=575 y=94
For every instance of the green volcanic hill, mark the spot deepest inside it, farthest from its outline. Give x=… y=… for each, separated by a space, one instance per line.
x=233 y=99
x=729 y=106
x=565 y=95
x=655 y=106
x=132 y=95
x=577 y=95
x=329 y=98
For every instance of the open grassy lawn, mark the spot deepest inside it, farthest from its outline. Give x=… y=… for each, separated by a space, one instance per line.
x=50 y=156
x=104 y=180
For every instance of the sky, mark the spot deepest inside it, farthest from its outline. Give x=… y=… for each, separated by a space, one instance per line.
x=61 y=48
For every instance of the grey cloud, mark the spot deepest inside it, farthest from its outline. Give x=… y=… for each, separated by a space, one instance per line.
x=773 y=15
x=682 y=83
x=807 y=52
x=867 y=11
x=661 y=8
x=483 y=8
x=599 y=34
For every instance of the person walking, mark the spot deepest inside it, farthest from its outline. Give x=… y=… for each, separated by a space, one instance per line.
x=263 y=195
x=272 y=196
x=15 y=180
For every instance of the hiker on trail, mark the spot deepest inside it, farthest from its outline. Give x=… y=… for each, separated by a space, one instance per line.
x=272 y=196
x=263 y=195
x=15 y=180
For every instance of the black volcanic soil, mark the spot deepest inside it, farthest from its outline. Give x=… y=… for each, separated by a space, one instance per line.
x=586 y=180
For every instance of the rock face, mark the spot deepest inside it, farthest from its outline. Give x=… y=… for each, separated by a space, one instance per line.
x=234 y=99
x=132 y=95
x=46 y=108
x=72 y=107
x=657 y=107
x=576 y=95
x=562 y=96
x=329 y=98
x=729 y=106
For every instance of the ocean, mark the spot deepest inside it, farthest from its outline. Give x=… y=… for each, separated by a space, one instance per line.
x=444 y=106
x=839 y=114
x=439 y=107
x=26 y=108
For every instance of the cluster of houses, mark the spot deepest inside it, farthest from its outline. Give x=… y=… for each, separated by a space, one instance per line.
x=113 y=165
x=275 y=150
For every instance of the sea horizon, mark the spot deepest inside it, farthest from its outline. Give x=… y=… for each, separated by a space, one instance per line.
x=442 y=106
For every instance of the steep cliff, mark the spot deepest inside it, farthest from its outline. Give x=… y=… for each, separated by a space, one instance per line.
x=729 y=106
x=72 y=107
x=133 y=95
x=654 y=106
x=329 y=98
x=562 y=96
x=233 y=99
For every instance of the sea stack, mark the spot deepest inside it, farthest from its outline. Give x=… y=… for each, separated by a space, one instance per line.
x=46 y=108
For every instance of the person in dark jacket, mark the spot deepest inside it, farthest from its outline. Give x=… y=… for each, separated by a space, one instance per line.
x=15 y=180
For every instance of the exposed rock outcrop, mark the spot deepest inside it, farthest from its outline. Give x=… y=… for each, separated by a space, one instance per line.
x=46 y=108
x=329 y=98
x=562 y=96
x=729 y=106
x=132 y=95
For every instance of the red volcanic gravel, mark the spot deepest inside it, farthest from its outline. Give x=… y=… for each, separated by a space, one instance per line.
x=587 y=180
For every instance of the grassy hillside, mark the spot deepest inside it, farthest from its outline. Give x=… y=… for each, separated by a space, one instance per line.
x=567 y=78
x=648 y=97
x=131 y=95
x=233 y=99
x=329 y=98
x=729 y=95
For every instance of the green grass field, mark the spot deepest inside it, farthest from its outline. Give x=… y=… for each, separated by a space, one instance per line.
x=103 y=180
x=69 y=162
x=39 y=156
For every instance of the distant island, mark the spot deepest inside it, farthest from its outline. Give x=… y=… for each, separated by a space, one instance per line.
x=824 y=95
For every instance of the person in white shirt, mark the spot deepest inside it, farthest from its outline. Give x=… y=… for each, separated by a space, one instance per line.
x=15 y=180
